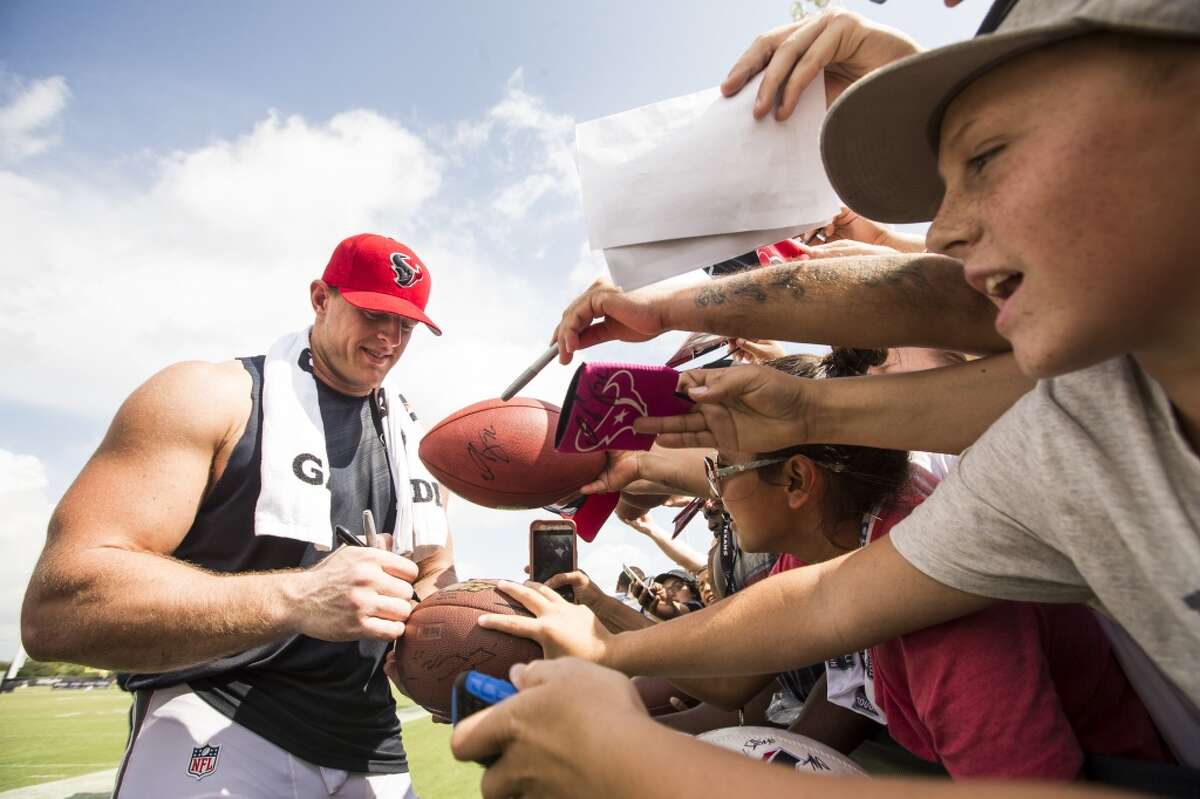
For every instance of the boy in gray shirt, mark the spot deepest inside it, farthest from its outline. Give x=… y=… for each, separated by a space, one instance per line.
x=1036 y=149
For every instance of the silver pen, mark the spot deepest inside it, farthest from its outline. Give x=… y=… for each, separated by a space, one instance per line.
x=369 y=528
x=530 y=373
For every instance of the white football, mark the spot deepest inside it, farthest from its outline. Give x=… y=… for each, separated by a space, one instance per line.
x=785 y=748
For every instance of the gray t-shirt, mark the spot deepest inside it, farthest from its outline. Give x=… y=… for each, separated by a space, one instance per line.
x=1085 y=491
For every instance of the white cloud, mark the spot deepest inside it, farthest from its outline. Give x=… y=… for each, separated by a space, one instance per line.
x=538 y=148
x=589 y=267
x=22 y=533
x=514 y=200
x=603 y=562
x=26 y=121
x=212 y=257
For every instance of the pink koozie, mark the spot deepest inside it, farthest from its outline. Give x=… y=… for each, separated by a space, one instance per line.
x=594 y=512
x=604 y=399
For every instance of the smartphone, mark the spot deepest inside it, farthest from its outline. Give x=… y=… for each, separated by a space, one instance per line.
x=552 y=551
x=633 y=577
x=639 y=587
x=472 y=693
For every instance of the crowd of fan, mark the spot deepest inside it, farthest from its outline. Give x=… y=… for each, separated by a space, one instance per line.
x=982 y=527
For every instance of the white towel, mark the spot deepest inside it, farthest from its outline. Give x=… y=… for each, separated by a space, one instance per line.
x=294 y=501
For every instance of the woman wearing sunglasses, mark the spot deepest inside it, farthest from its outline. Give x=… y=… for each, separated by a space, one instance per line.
x=1018 y=689
x=1015 y=690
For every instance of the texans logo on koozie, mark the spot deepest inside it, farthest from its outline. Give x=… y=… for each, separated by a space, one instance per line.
x=622 y=404
x=203 y=761
x=407 y=272
x=605 y=399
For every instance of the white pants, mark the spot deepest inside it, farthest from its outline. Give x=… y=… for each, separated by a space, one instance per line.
x=184 y=749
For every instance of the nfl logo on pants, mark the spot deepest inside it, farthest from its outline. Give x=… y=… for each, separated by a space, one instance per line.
x=204 y=761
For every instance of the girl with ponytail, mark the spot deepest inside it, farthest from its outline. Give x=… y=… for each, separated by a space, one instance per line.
x=1014 y=690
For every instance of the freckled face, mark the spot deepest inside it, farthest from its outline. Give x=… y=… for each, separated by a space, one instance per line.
x=1065 y=200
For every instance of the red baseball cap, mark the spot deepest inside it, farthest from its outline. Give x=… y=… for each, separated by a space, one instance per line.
x=376 y=273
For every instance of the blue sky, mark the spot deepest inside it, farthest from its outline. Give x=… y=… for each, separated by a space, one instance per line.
x=173 y=174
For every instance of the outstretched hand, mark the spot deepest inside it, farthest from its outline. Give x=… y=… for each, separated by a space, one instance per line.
x=563 y=708
x=753 y=350
x=606 y=313
x=586 y=592
x=645 y=525
x=621 y=468
x=848 y=228
x=560 y=627
x=843 y=44
x=739 y=409
x=843 y=248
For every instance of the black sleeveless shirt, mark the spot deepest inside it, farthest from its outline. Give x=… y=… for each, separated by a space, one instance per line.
x=327 y=703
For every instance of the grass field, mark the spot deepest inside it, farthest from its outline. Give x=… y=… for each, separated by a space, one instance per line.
x=49 y=735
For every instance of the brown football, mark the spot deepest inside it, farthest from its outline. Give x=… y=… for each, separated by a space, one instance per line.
x=442 y=640
x=501 y=455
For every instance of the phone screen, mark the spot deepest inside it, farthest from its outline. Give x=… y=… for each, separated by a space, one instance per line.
x=553 y=552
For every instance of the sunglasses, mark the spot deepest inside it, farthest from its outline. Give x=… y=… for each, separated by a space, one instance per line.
x=718 y=474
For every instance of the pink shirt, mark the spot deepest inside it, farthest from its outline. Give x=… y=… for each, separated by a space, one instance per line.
x=1016 y=690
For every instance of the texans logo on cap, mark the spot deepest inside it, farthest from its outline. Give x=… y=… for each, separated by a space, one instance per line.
x=407 y=273
x=377 y=273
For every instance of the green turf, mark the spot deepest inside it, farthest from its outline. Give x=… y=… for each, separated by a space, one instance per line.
x=48 y=735
x=436 y=774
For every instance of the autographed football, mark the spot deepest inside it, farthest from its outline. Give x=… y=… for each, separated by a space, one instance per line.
x=501 y=455
x=773 y=745
x=442 y=640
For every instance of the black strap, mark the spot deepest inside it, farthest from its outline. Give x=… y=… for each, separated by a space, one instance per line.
x=379 y=409
x=729 y=553
x=995 y=16
x=1161 y=779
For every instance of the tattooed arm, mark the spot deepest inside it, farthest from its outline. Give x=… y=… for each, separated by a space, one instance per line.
x=872 y=301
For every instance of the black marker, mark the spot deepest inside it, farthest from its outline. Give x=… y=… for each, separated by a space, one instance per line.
x=346 y=537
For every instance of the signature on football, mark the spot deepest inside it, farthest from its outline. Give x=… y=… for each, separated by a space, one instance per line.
x=487 y=452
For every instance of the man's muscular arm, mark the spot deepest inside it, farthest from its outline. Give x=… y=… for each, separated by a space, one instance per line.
x=919 y=300
x=106 y=591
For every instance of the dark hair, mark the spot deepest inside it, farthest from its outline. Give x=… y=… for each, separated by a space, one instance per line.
x=861 y=477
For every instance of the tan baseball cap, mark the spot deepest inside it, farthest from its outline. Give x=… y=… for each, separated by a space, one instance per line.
x=879 y=141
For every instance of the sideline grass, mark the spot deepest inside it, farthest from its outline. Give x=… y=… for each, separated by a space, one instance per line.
x=48 y=735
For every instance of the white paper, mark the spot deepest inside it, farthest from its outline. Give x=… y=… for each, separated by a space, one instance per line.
x=638 y=265
x=665 y=185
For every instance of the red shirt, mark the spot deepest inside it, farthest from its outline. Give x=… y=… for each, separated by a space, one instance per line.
x=1016 y=690
x=781 y=252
